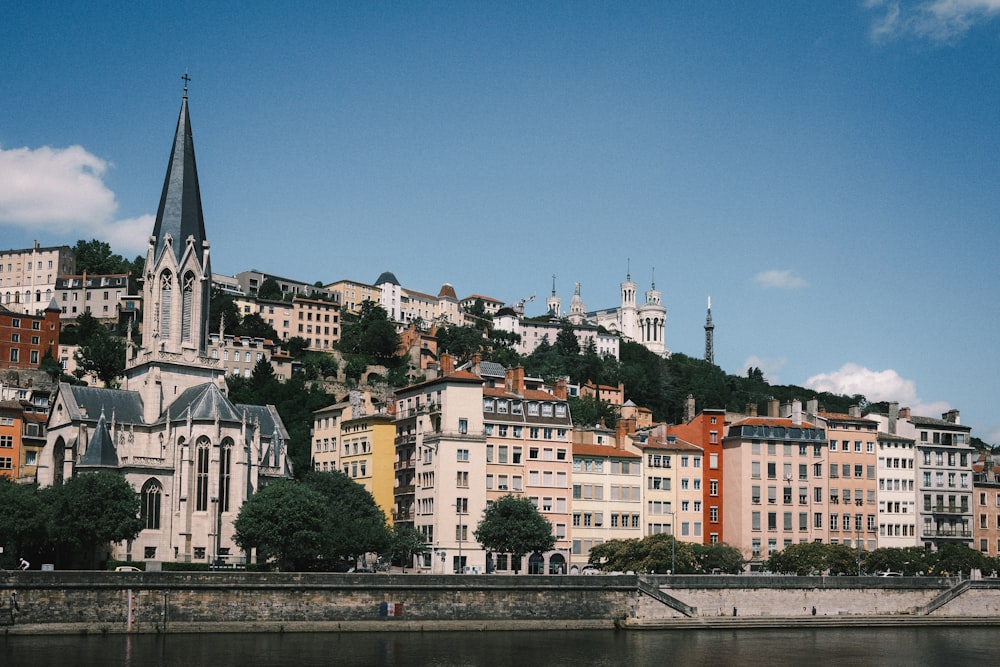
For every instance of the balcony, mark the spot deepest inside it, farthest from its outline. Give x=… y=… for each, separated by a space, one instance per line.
x=948 y=533
x=403 y=489
x=403 y=465
x=403 y=516
x=950 y=509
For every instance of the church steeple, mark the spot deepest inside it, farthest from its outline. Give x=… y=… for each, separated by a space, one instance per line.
x=176 y=287
x=179 y=215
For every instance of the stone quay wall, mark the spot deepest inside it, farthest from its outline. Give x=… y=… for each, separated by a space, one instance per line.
x=159 y=602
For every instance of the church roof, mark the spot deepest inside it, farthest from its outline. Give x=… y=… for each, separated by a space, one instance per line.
x=179 y=214
x=204 y=401
x=101 y=452
x=87 y=402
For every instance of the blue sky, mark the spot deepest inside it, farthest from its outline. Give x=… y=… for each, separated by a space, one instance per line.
x=826 y=172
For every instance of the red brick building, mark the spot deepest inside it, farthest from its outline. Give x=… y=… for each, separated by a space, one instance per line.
x=24 y=339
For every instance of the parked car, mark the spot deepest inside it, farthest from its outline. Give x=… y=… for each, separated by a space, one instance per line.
x=127 y=568
x=890 y=574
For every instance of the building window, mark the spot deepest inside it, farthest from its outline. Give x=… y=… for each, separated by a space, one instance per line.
x=225 y=470
x=150 y=508
x=201 y=476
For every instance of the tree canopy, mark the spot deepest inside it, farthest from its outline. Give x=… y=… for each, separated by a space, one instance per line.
x=90 y=510
x=95 y=258
x=661 y=553
x=308 y=525
x=513 y=525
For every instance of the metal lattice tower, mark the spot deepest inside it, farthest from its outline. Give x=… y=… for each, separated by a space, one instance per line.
x=709 y=335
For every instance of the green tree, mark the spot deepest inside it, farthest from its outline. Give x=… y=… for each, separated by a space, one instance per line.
x=656 y=553
x=566 y=343
x=270 y=290
x=513 y=525
x=405 y=543
x=286 y=521
x=590 y=411
x=960 y=559
x=296 y=346
x=89 y=511
x=222 y=308
x=253 y=326
x=102 y=354
x=22 y=523
x=50 y=366
x=95 y=258
x=372 y=336
x=461 y=342
x=720 y=557
x=814 y=558
x=356 y=525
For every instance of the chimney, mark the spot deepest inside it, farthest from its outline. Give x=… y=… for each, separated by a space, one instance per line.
x=559 y=390
x=904 y=413
x=796 y=411
x=772 y=407
x=515 y=379
x=751 y=409
x=689 y=409
x=951 y=416
x=621 y=428
x=447 y=364
x=893 y=416
x=477 y=359
x=812 y=408
x=854 y=411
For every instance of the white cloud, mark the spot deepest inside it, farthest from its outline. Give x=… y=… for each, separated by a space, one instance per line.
x=876 y=386
x=770 y=367
x=783 y=279
x=937 y=20
x=61 y=191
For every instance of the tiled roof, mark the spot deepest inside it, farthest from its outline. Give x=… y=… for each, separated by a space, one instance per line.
x=603 y=450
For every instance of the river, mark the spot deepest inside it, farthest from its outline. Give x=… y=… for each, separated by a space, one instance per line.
x=847 y=646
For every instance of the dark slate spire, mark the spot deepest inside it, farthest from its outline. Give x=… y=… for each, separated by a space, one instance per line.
x=179 y=214
x=101 y=451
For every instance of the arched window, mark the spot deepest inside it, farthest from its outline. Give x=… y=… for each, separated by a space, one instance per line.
x=187 y=299
x=166 y=303
x=225 y=471
x=201 y=475
x=151 y=494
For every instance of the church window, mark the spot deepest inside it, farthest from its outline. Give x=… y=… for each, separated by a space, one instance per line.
x=187 y=298
x=201 y=476
x=166 y=304
x=225 y=470
x=150 y=510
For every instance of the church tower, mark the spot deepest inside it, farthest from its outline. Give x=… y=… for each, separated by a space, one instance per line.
x=176 y=287
x=553 y=304
x=628 y=308
x=652 y=322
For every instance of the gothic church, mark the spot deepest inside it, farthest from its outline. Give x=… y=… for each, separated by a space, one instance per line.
x=193 y=455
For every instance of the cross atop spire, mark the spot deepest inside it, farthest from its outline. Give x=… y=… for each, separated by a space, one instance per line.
x=186 y=79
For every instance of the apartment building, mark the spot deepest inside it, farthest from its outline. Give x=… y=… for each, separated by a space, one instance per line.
x=28 y=276
x=279 y=315
x=441 y=422
x=528 y=445
x=897 y=506
x=26 y=338
x=532 y=333
x=853 y=480
x=776 y=483
x=607 y=492
x=673 y=490
x=353 y=294
x=11 y=429
x=103 y=296
x=317 y=321
x=986 y=493
x=706 y=430
x=251 y=281
x=239 y=355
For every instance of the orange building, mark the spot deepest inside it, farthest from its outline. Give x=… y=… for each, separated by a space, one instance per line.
x=706 y=430
x=11 y=428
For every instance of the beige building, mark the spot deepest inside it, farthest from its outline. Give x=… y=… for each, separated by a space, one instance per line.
x=528 y=447
x=353 y=294
x=897 y=496
x=852 y=465
x=317 y=321
x=673 y=471
x=775 y=476
x=441 y=441
x=101 y=296
x=28 y=277
x=607 y=492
